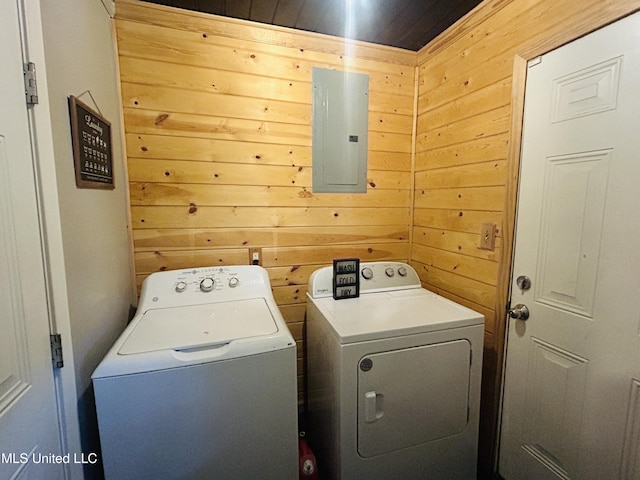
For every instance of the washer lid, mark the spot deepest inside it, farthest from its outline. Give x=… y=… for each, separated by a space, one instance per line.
x=184 y=328
x=381 y=315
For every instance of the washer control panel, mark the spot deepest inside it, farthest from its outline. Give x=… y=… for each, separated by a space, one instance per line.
x=203 y=285
x=374 y=277
x=206 y=280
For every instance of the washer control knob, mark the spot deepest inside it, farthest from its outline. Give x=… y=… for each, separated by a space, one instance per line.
x=233 y=282
x=367 y=273
x=207 y=284
x=402 y=271
x=389 y=271
x=181 y=286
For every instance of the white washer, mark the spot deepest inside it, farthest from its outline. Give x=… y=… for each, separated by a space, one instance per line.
x=393 y=378
x=202 y=383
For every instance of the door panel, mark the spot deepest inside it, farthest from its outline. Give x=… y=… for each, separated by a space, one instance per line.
x=573 y=195
x=631 y=454
x=412 y=396
x=554 y=404
x=570 y=407
x=13 y=367
x=588 y=91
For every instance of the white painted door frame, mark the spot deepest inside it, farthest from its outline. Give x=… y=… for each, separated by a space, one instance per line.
x=42 y=138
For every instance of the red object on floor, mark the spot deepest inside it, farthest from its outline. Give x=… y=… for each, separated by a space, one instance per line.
x=308 y=469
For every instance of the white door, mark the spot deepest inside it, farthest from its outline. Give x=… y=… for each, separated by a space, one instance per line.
x=571 y=405
x=29 y=430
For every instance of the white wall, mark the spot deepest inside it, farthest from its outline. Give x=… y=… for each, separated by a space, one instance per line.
x=79 y=54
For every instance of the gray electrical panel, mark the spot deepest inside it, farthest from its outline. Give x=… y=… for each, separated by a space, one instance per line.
x=340 y=131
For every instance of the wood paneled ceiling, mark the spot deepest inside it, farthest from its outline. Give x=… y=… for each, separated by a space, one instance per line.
x=408 y=24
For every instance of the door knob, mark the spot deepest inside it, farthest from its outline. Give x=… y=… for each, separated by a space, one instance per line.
x=519 y=312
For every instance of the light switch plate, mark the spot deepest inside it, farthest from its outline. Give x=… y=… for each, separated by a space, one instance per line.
x=488 y=236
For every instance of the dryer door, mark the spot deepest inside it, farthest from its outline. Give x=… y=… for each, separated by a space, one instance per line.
x=412 y=396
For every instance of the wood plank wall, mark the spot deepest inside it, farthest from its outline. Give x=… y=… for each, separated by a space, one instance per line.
x=467 y=153
x=217 y=117
x=218 y=136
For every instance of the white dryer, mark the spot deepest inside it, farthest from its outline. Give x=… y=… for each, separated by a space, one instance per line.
x=202 y=383
x=393 y=379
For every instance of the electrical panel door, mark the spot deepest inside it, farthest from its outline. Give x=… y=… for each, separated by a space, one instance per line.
x=340 y=131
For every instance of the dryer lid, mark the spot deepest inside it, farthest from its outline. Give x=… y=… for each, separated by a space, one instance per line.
x=184 y=328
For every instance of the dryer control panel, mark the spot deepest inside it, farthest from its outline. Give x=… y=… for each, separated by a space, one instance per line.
x=374 y=277
x=204 y=285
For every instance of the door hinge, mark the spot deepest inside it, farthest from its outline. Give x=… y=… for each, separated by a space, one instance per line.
x=56 y=350
x=30 y=83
